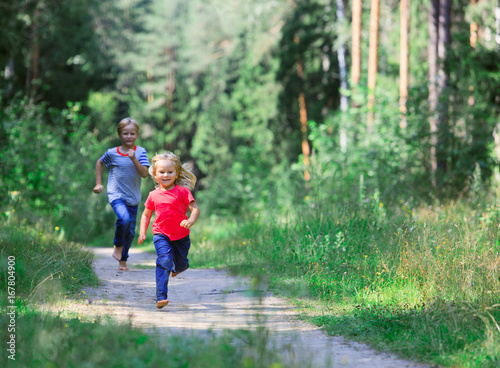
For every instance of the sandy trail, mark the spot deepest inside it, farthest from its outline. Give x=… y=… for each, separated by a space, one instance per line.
x=202 y=299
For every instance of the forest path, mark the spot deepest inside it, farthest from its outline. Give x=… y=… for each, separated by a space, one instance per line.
x=203 y=299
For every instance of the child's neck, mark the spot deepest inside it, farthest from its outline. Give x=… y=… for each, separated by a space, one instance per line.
x=167 y=188
x=124 y=148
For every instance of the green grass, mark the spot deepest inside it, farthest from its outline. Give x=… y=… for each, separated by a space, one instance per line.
x=43 y=340
x=44 y=266
x=421 y=282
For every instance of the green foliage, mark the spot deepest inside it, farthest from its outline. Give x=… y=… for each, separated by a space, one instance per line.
x=48 y=167
x=53 y=51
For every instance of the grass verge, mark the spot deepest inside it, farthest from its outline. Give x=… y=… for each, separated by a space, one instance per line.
x=422 y=282
x=42 y=266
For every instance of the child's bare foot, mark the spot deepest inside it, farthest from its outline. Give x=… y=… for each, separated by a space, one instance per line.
x=161 y=303
x=123 y=266
x=173 y=274
x=117 y=253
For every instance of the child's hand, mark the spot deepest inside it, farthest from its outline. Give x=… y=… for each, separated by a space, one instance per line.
x=186 y=224
x=131 y=154
x=98 y=188
x=141 y=239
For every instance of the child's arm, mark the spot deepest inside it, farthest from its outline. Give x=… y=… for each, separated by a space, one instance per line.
x=145 y=218
x=142 y=170
x=195 y=213
x=98 y=177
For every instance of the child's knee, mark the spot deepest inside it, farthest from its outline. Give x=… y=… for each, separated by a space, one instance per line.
x=165 y=262
x=125 y=221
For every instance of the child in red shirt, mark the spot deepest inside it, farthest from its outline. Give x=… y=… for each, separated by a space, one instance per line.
x=170 y=201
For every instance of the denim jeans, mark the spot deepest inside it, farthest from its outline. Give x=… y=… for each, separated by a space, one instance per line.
x=172 y=257
x=125 y=225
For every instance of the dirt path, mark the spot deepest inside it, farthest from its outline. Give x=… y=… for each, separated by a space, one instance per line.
x=202 y=299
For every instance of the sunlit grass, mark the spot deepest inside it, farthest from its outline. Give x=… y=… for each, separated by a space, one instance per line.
x=421 y=281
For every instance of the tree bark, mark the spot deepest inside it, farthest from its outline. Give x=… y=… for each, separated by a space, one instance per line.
x=473 y=29
x=33 y=69
x=433 y=95
x=439 y=39
x=303 y=118
x=356 y=42
x=403 y=64
x=344 y=101
x=325 y=64
x=497 y=18
x=372 y=62
x=443 y=124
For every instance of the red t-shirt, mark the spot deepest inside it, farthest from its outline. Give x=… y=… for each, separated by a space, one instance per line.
x=170 y=207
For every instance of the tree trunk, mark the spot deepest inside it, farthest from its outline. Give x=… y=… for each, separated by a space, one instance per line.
x=433 y=95
x=341 y=58
x=356 y=42
x=325 y=64
x=497 y=18
x=344 y=102
x=372 y=62
x=303 y=118
x=303 y=124
x=439 y=39
x=443 y=128
x=33 y=69
x=473 y=29
x=403 y=64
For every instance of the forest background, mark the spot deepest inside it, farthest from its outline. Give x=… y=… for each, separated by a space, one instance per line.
x=382 y=114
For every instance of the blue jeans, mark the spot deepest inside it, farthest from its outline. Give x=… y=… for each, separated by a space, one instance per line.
x=125 y=225
x=172 y=257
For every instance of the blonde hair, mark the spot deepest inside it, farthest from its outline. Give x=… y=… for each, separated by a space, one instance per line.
x=127 y=121
x=185 y=176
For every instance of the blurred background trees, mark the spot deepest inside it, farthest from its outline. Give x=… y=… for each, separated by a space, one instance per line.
x=250 y=93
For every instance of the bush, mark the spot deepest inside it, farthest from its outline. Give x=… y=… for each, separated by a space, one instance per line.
x=47 y=167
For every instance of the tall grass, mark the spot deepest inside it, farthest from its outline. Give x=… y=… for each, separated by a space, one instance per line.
x=44 y=265
x=421 y=281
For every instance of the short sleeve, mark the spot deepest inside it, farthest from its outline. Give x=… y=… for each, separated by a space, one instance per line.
x=188 y=197
x=143 y=158
x=149 y=204
x=106 y=159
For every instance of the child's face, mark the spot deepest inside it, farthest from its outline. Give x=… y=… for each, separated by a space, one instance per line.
x=165 y=174
x=128 y=135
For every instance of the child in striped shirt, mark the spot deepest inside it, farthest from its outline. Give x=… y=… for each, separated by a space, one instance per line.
x=127 y=164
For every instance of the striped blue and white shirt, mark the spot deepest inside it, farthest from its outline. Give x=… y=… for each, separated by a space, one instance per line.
x=124 y=182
